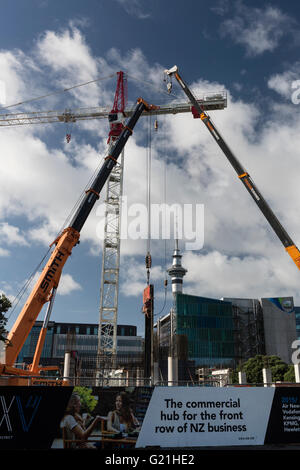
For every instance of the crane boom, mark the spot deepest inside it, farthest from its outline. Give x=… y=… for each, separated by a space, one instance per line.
x=49 y=278
x=243 y=175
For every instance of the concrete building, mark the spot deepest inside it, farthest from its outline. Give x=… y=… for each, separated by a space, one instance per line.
x=279 y=326
x=297 y=315
x=248 y=328
x=223 y=333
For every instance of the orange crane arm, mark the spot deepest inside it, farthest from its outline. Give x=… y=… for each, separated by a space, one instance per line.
x=40 y=294
x=49 y=278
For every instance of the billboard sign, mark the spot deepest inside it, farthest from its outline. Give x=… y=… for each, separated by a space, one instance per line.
x=201 y=416
x=39 y=417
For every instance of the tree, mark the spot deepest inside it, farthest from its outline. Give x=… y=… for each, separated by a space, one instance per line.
x=253 y=368
x=289 y=376
x=88 y=401
x=5 y=305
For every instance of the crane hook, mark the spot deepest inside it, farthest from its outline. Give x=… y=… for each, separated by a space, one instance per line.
x=148 y=262
x=168 y=80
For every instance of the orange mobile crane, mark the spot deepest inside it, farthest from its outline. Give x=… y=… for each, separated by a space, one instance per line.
x=243 y=175
x=45 y=288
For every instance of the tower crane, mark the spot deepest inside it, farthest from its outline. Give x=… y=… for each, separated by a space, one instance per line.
x=109 y=291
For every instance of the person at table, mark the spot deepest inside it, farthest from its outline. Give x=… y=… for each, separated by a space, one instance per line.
x=122 y=418
x=74 y=425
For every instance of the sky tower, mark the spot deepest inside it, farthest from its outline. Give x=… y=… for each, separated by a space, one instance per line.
x=176 y=271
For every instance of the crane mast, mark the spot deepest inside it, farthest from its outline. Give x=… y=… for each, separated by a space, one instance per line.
x=109 y=290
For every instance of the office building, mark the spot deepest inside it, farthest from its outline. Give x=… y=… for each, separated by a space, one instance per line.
x=279 y=326
x=297 y=316
x=204 y=334
x=81 y=340
x=248 y=328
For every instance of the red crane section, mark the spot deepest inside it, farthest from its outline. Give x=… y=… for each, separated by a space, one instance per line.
x=116 y=116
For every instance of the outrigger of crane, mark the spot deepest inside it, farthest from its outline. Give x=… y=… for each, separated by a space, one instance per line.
x=48 y=281
x=243 y=175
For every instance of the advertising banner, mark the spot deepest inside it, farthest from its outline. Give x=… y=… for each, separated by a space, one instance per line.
x=196 y=417
x=30 y=416
x=112 y=417
x=206 y=417
x=108 y=418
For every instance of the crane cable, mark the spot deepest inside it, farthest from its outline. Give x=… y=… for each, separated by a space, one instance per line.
x=165 y=239
x=57 y=92
x=148 y=259
x=64 y=90
x=151 y=85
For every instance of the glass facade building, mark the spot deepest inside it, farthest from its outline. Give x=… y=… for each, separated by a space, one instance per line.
x=209 y=327
x=79 y=337
x=297 y=314
x=28 y=349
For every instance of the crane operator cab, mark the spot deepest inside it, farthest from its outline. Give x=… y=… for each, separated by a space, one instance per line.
x=116 y=118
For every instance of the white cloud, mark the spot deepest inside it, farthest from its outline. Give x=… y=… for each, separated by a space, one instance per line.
x=220 y=7
x=218 y=275
x=134 y=279
x=15 y=70
x=41 y=182
x=285 y=83
x=134 y=8
x=258 y=29
x=67 y=285
x=69 y=58
x=11 y=235
x=4 y=252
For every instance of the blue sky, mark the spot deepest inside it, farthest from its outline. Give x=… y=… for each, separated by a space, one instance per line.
x=249 y=49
